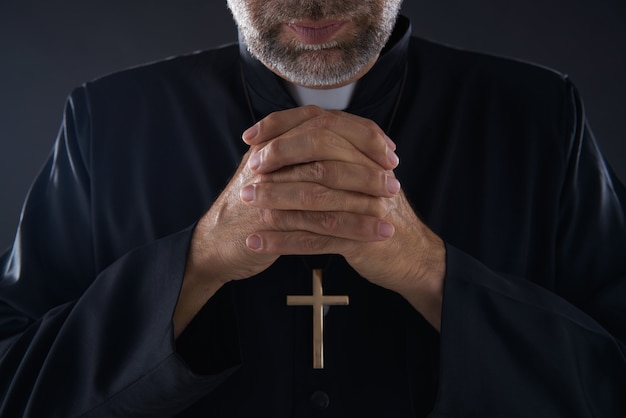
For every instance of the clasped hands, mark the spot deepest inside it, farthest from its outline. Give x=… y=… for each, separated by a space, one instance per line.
x=320 y=182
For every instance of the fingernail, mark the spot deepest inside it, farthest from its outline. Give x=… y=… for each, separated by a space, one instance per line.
x=250 y=133
x=255 y=161
x=393 y=185
x=393 y=157
x=247 y=193
x=385 y=230
x=254 y=242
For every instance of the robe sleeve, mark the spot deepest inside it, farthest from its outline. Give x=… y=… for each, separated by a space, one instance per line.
x=79 y=342
x=512 y=347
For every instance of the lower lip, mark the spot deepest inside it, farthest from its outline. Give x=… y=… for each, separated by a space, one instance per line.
x=315 y=35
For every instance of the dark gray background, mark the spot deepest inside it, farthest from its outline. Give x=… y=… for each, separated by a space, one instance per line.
x=47 y=47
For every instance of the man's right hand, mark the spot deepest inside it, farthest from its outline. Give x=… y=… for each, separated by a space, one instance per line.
x=342 y=158
x=218 y=251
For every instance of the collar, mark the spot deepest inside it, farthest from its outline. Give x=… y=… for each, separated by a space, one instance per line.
x=336 y=99
x=376 y=90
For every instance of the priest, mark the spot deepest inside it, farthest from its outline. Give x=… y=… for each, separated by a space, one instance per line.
x=330 y=218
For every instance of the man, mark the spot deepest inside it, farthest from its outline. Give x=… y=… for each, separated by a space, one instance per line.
x=147 y=279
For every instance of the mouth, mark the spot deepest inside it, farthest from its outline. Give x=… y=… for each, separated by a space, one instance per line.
x=316 y=32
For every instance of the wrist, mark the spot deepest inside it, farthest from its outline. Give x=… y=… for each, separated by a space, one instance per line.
x=424 y=291
x=197 y=287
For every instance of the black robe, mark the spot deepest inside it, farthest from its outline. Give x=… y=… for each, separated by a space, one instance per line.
x=496 y=157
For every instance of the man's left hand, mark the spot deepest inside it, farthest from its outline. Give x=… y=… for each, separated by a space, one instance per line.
x=334 y=170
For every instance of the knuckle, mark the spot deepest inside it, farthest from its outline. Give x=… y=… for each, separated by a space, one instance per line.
x=374 y=181
x=377 y=207
x=316 y=196
x=272 y=118
x=271 y=219
x=314 y=243
x=318 y=171
x=262 y=178
x=330 y=221
x=311 y=111
x=274 y=148
x=381 y=180
x=267 y=123
x=375 y=136
x=372 y=127
x=374 y=139
x=324 y=222
x=325 y=120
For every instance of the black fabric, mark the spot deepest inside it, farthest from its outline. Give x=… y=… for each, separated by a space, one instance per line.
x=496 y=157
x=210 y=343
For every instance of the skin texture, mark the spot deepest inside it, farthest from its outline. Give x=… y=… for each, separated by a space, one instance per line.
x=315 y=182
x=270 y=30
x=295 y=193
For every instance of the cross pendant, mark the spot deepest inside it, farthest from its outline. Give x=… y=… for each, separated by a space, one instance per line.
x=317 y=300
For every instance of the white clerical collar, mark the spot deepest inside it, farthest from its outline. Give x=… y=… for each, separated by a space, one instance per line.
x=329 y=99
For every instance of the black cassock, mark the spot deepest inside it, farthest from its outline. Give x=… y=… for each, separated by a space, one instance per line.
x=496 y=157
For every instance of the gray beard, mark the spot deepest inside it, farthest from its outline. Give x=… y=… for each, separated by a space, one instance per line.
x=324 y=65
x=320 y=65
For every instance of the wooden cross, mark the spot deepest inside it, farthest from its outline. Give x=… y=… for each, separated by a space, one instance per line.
x=317 y=300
